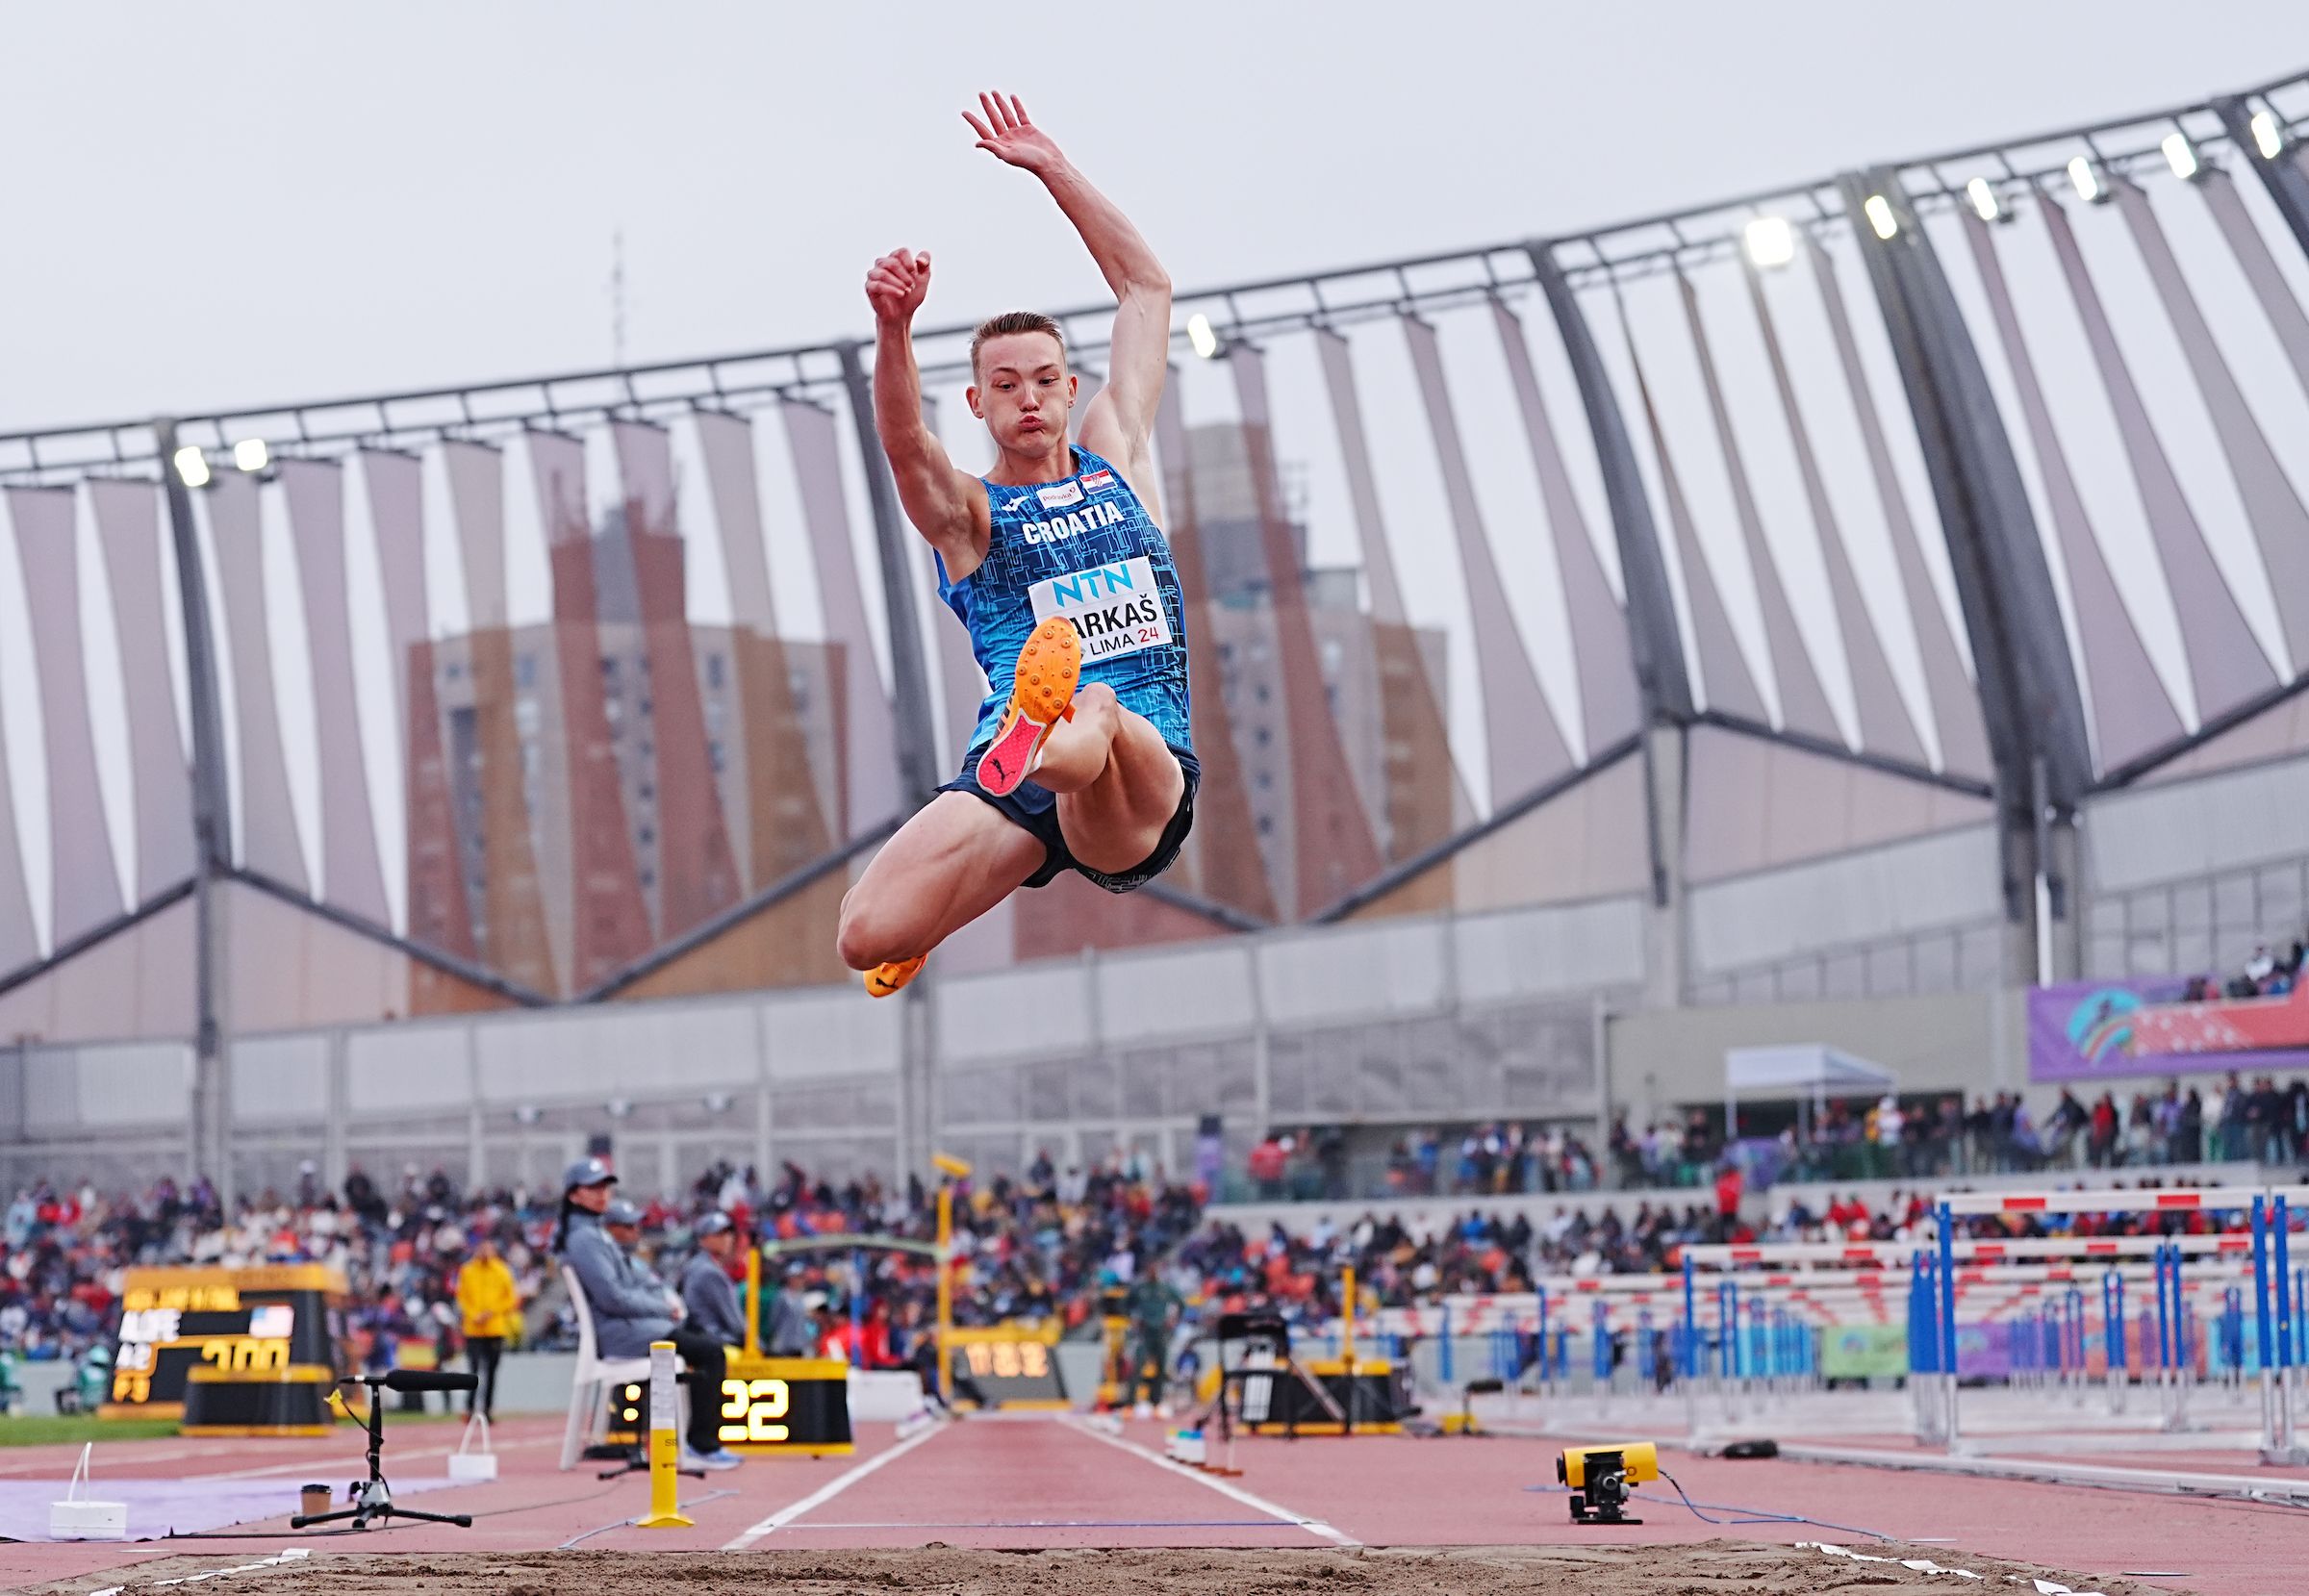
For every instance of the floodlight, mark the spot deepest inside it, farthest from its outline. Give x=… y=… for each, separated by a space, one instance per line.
x=1770 y=241
x=2181 y=156
x=1984 y=199
x=192 y=465
x=2268 y=136
x=1199 y=334
x=2089 y=185
x=250 y=454
x=1880 y=216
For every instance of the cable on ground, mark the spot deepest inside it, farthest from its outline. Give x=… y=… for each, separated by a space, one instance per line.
x=1701 y=1510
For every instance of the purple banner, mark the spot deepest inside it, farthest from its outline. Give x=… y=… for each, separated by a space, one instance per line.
x=2087 y=1030
x=1984 y=1352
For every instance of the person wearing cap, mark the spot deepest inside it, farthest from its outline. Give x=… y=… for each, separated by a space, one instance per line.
x=623 y=1220
x=791 y=1332
x=707 y=1291
x=630 y=1309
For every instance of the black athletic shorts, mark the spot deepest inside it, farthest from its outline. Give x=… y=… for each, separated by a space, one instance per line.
x=1035 y=810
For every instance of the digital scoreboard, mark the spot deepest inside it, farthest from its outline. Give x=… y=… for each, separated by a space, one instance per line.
x=1006 y=1366
x=228 y=1351
x=790 y=1406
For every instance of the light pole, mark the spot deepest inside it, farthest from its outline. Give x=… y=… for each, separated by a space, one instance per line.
x=212 y=827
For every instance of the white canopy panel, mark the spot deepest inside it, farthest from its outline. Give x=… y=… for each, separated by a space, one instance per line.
x=1810 y=1067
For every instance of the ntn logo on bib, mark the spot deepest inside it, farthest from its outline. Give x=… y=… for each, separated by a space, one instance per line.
x=1115 y=608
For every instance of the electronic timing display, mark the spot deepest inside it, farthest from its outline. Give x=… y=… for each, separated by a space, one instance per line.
x=229 y=1350
x=1006 y=1366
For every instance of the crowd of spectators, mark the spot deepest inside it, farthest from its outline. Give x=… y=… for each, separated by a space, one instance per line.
x=1495 y=1158
x=1049 y=1242
x=1065 y=1243
x=398 y=1247
x=2266 y=975
x=1919 y=1136
x=1298 y=1273
x=2227 y=1118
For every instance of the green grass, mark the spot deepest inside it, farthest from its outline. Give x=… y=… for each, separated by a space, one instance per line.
x=71 y=1429
x=55 y=1429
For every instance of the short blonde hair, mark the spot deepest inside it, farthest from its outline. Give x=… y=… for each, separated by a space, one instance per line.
x=1014 y=321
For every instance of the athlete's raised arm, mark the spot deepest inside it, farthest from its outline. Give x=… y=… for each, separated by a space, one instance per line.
x=1122 y=416
x=937 y=495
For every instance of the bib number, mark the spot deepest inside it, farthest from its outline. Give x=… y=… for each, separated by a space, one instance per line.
x=1116 y=609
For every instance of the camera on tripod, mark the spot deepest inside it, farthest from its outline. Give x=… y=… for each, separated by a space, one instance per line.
x=372 y=1498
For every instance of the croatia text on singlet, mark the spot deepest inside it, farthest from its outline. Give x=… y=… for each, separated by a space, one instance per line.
x=1085 y=548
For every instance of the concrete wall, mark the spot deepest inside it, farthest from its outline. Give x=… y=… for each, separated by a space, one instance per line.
x=1920 y=915
x=1891 y=951
x=1387 y=1020
x=2187 y=876
x=1965 y=1042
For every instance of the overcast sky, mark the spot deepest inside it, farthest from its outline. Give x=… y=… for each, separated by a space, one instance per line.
x=229 y=205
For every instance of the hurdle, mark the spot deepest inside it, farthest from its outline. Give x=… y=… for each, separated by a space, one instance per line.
x=1748 y=1337
x=2000 y=1281
x=1789 y=1302
x=2267 y=1247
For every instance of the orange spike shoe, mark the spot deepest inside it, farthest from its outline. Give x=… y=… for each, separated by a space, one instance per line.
x=885 y=978
x=1042 y=693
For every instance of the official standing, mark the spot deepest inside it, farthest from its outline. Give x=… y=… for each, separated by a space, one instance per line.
x=491 y=1305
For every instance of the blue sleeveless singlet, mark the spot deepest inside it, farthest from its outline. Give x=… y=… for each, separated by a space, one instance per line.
x=1085 y=548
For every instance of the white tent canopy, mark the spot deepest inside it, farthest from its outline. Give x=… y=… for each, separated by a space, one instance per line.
x=1802 y=1070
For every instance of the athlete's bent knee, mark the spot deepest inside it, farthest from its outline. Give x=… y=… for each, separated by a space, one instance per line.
x=1096 y=708
x=868 y=935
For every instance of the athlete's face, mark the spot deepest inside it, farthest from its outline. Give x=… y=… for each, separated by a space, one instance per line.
x=1023 y=392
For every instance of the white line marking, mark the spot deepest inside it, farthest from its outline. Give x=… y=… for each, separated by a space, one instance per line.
x=827 y=1492
x=1312 y=1526
x=293 y=1554
x=137 y=1461
x=327 y=1463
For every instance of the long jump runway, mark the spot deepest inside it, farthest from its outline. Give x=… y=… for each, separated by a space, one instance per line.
x=1063 y=1486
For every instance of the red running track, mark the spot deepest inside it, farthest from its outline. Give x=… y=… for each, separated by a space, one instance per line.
x=996 y=1482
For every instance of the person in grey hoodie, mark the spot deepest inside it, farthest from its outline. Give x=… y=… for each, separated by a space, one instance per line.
x=707 y=1293
x=630 y=1310
x=791 y=1332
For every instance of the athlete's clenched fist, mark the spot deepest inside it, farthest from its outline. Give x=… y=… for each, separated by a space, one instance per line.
x=897 y=284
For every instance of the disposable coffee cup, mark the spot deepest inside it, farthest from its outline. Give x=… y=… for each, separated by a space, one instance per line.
x=315 y=1500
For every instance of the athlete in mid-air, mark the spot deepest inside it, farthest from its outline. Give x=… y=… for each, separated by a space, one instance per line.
x=1081 y=758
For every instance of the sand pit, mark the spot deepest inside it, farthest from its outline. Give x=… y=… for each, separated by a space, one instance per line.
x=1705 y=1568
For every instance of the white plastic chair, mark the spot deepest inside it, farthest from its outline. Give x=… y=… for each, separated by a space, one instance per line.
x=594 y=1375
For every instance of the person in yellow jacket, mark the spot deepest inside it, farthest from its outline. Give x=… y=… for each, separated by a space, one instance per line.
x=491 y=1306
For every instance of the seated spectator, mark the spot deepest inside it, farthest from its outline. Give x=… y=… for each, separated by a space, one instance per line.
x=708 y=1295
x=630 y=1310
